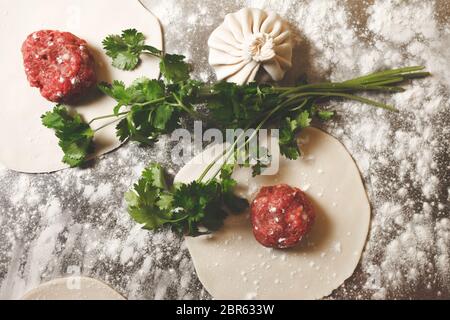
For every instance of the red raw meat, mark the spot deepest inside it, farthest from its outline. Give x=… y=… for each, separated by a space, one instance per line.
x=281 y=216
x=59 y=64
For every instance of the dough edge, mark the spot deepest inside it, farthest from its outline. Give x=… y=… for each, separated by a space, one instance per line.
x=353 y=261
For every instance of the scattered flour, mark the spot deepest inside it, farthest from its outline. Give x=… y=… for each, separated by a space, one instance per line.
x=404 y=158
x=75 y=221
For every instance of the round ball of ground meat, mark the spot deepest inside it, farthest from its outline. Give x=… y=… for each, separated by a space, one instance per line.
x=281 y=215
x=59 y=64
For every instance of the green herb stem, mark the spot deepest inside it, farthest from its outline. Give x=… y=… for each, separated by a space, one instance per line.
x=295 y=99
x=188 y=110
x=107 y=117
x=110 y=123
x=230 y=151
x=148 y=103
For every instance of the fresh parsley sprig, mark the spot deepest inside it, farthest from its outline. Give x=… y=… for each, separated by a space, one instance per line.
x=150 y=108
x=75 y=136
x=126 y=49
x=193 y=209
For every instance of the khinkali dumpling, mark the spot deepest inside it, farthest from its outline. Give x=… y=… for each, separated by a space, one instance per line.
x=246 y=40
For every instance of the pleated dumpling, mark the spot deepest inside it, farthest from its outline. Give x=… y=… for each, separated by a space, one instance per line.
x=247 y=40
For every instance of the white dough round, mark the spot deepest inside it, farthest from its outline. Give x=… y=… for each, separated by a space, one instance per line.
x=247 y=40
x=25 y=144
x=231 y=264
x=73 y=288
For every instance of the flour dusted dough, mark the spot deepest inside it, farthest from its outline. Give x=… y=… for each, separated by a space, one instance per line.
x=232 y=265
x=247 y=40
x=25 y=144
x=73 y=288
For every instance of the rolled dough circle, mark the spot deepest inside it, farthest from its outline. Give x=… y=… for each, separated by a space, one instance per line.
x=231 y=264
x=25 y=144
x=73 y=288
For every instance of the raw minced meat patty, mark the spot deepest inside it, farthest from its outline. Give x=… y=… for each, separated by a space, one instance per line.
x=281 y=216
x=59 y=64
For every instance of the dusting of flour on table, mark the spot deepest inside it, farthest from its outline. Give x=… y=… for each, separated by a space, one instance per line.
x=75 y=220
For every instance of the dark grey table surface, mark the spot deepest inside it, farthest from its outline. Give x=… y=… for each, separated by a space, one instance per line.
x=75 y=222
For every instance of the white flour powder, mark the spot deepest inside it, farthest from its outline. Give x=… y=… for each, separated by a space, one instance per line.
x=52 y=224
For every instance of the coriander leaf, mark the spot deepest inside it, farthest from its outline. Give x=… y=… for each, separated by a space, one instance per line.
x=186 y=208
x=146 y=124
x=227 y=182
x=258 y=168
x=114 y=44
x=289 y=151
x=142 y=90
x=154 y=174
x=325 y=115
x=118 y=92
x=126 y=49
x=126 y=61
x=222 y=104
x=303 y=120
x=202 y=204
x=133 y=38
x=233 y=106
x=287 y=139
x=262 y=162
x=148 y=202
x=122 y=131
x=142 y=208
x=173 y=68
x=165 y=201
x=163 y=114
x=146 y=90
x=55 y=119
x=253 y=155
x=288 y=134
x=190 y=90
x=194 y=197
x=149 y=114
x=75 y=136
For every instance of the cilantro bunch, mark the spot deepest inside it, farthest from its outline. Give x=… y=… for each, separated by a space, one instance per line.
x=195 y=208
x=75 y=136
x=149 y=108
